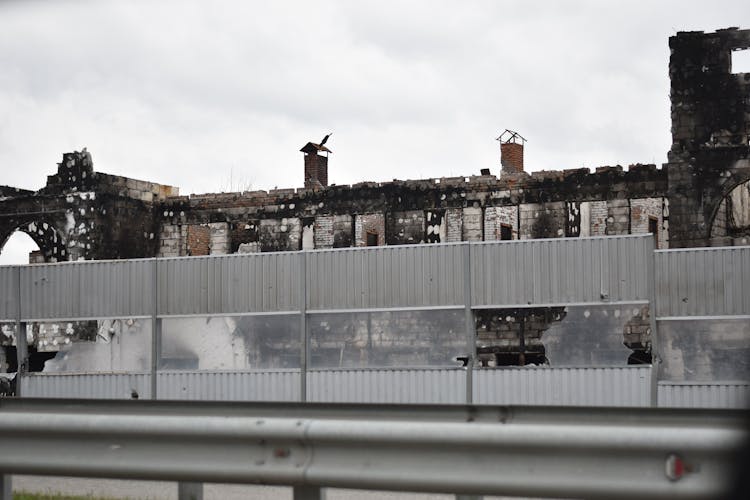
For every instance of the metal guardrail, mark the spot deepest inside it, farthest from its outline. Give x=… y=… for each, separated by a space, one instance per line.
x=521 y=451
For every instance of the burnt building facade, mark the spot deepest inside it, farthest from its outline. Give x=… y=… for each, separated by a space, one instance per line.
x=697 y=199
x=701 y=197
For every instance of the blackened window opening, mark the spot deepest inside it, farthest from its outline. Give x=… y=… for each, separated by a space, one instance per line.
x=506 y=233
x=653 y=228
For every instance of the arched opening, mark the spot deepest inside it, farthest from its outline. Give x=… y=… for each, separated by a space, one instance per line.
x=30 y=244
x=46 y=239
x=20 y=249
x=732 y=219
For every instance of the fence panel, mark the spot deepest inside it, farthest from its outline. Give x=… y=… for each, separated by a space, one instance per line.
x=225 y=284
x=90 y=289
x=398 y=276
x=704 y=395
x=9 y=292
x=560 y=271
x=387 y=386
x=87 y=385
x=624 y=386
x=703 y=282
x=265 y=385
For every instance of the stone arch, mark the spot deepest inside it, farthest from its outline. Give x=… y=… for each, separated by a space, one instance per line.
x=44 y=233
x=737 y=177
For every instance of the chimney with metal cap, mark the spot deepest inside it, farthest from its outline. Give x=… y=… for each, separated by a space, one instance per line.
x=316 y=165
x=511 y=152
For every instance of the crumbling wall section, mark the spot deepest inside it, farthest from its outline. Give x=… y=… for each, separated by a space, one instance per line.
x=405 y=227
x=472 y=228
x=372 y=224
x=543 y=220
x=710 y=154
x=278 y=235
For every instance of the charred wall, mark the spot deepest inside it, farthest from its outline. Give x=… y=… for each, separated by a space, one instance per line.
x=710 y=155
x=540 y=205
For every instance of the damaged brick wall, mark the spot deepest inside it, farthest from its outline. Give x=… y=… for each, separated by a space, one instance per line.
x=710 y=155
x=93 y=215
x=83 y=214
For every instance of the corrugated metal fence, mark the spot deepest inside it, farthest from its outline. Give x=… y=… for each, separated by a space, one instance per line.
x=711 y=282
x=508 y=273
x=697 y=292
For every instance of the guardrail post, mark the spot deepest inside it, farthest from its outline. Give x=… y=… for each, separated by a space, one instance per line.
x=471 y=348
x=189 y=491
x=6 y=487
x=309 y=493
x=304 y=344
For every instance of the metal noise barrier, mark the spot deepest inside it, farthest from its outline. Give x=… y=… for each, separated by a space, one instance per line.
x=571 y=453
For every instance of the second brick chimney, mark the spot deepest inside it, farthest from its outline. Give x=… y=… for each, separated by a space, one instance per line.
x=511 y=152
x=316 y=165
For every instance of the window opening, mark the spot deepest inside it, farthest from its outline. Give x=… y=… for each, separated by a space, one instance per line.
x=506 y=232
x=653 y=228
x=741 y=61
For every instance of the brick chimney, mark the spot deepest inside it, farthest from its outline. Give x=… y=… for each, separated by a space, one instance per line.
x=316 y=165
x=511 y=152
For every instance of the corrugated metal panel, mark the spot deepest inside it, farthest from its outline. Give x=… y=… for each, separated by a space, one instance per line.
x=87 y=385
x=703 y=282
x=87 y=289
x=266 y=385
x=229 y=284
x=397 y=276
x=561 y=271
x=387 y=386
x=705 y=395
x=9 y=292
x=624 y=386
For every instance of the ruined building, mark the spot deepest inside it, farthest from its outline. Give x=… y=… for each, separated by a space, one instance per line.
x=701 y=197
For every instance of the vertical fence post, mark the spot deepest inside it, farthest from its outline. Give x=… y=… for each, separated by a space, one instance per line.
x=471 y=343
x=652 y=307
x=22 y=349
x=469 y=323
x=155 y=329
x=304 y=347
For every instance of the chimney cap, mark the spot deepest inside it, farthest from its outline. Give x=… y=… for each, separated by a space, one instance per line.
x=510 y=136
x=311 y=147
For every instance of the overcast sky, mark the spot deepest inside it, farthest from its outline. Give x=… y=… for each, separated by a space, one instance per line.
x=221 y=95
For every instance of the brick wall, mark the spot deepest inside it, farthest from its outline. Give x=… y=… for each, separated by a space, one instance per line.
x=219 y=242
x=496 y=217
x=618 y=216
x=597 y=225
x=323 y=237
x=368 y=223
x=472 y=224
x=198 y=239
x=172 y=240
x=453 y=224
x=641 y=211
